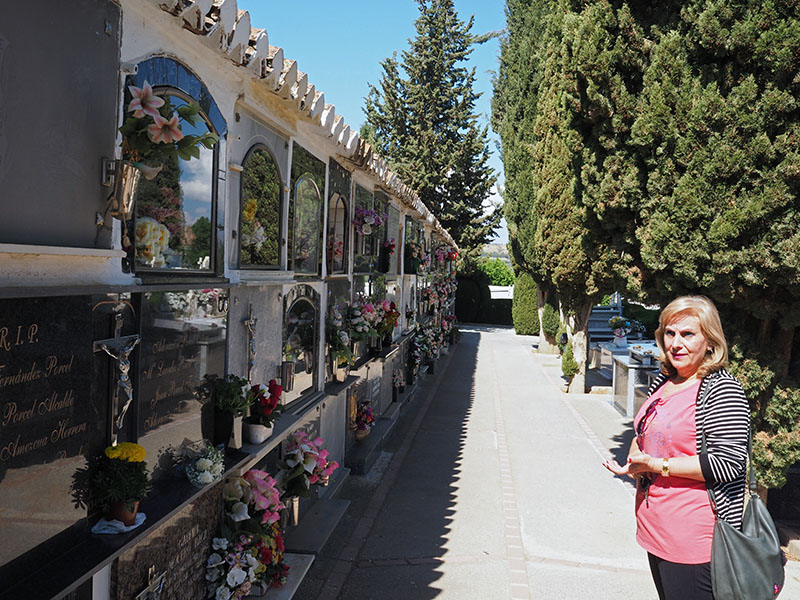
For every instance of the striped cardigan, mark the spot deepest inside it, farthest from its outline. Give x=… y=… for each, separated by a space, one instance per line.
x=726 y=421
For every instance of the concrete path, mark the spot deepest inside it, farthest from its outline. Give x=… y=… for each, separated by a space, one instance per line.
x=492 y=488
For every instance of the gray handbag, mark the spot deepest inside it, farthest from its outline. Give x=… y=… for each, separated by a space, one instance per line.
x=746 y=564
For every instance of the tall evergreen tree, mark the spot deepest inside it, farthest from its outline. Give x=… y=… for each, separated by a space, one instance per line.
x=422 y=118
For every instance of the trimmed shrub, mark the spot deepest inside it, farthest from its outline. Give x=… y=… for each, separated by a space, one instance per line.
x=524 y=308
x=568 y=365
x=551 y=322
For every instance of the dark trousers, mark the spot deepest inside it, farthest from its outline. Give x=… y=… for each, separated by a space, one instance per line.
x=676 y=581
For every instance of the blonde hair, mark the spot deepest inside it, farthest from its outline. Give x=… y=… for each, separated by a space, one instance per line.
x=710 y=325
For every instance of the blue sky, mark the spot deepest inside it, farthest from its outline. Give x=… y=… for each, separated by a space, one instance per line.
x=341 y=44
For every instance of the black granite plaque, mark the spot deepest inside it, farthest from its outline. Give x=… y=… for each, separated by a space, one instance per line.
x=53 y=412
x=183 y=338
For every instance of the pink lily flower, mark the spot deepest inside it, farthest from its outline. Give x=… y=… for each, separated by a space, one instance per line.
x=144 y=102
x=163 y=131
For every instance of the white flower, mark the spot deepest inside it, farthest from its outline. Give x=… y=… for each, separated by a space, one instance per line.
x=369 y=219
x=205 y=477
x=214 y=560
x=203 y=464
x=223 y=593
x=236 y=577
x=219 y=543
x=239 y=512
x=215 y=469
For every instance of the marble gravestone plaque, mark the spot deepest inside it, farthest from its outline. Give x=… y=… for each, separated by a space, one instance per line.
x=184 y=337
x=53 y=413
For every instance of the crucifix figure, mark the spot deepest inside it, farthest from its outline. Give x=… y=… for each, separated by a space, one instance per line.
x=250 y=322
x=155 y=585
x=119 y=348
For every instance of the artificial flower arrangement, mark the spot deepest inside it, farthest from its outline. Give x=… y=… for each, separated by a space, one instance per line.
x=389 y=317
x=620 y=326
x=389 y=245
x=359 y=328
x=248 y=557
x=118 y=476
x=416 y=348
x=452 y=255
x=265 y=403
x=203 y=465
x=398 y=380
x=366 y=218
x=253 y=234
x=410 y=313
x=228 y=394
x=365 y=418
x=637 y=326
x=305 y=463
x=153 y=134
x=338 y=338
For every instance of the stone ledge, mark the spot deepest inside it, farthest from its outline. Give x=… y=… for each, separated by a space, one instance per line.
x=316 y=526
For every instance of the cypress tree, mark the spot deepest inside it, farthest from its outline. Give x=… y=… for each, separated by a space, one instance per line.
x=422 y=119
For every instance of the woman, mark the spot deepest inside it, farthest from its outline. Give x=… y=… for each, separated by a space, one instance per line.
x=693 y=392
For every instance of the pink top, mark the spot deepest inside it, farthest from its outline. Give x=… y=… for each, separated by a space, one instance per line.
x=676 y=523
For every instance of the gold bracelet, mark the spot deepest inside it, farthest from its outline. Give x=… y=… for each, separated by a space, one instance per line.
x=665 y=467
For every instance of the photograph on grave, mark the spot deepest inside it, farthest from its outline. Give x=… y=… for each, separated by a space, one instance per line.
x=184 y=337
x=54 y=411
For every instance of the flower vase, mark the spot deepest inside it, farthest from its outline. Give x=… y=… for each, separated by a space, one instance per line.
x=287 y=375
x=223 y=427
x=235 y=440
x=118 y=511
x=361 y=434
x=293 y=508
x=387 y=340
x=621 y=341
x=256 y=433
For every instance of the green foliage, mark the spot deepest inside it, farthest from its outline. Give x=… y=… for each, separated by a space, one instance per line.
x=647 y=317
x=568 y=365
x=551 y=323
x=525 y=309
x=498 y=272
x=422 y=118
x=227 y=394
x=262 y=194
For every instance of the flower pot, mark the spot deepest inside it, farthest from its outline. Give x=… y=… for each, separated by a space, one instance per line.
x=293 y=508
x=287 y=375
x=361 y=434
x=256 y=433
x=621 y=342
x=118 y=511
x=338 y=371
x=387 y=340
x=375 y=343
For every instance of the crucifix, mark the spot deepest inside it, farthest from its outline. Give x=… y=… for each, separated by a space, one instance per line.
x=119 y=348
x=250 y=322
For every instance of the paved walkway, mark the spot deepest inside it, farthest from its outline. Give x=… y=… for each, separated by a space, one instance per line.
x=492 y=488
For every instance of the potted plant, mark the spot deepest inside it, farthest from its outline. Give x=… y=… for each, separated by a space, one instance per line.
x=116 y=482
x=229 y=397
x=265 y=407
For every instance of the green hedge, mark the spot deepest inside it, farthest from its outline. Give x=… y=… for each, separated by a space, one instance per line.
x=524 y=308
x=498 y=272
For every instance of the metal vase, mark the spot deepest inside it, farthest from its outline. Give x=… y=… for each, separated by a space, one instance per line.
x=287 y=375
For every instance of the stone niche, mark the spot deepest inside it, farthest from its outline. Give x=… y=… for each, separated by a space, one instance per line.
x=54 y=411
x=301 y=340
x=180 y=548
x=267 y=333
x=183 y=338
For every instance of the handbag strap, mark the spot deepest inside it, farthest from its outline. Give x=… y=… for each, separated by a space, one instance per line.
x=753 y=486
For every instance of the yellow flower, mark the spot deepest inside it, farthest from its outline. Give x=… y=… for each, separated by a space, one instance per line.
x=249 y=211
x=126 y=451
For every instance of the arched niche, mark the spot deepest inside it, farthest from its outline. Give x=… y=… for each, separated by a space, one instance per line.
x=260 y=212
x=338 y=214
x=301 y=337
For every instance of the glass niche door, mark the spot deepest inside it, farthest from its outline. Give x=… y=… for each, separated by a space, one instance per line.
x=300 y=344
x=337 y=235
